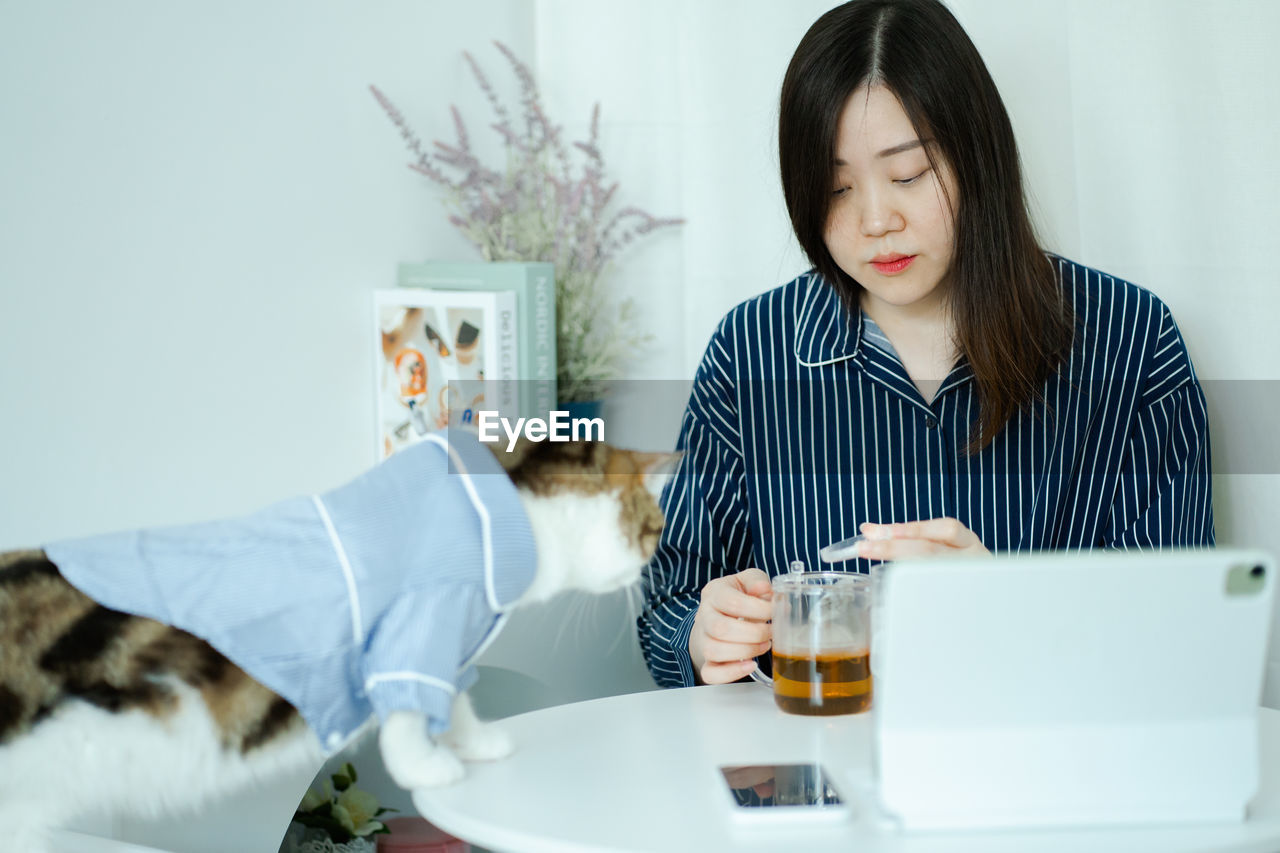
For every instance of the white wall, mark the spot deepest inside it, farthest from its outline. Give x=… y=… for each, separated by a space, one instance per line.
x=689 y=104
x=196 y=200
x=1176 y=116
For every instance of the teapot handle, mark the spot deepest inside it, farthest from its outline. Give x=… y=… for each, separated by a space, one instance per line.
x=757 y=675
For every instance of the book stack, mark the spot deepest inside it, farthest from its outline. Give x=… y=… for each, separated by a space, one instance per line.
x=456 y=339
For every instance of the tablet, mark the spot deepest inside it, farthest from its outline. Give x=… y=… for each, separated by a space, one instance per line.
x=1096 y=687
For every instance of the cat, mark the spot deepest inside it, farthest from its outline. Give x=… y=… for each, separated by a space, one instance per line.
x=102 y=712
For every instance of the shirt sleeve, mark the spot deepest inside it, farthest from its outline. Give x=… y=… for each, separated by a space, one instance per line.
x=706 y=535
x=1164 y=496
x=412 y=654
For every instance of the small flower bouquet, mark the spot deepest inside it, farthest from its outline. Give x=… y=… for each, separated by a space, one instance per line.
x=339 y=819
x=539 y=205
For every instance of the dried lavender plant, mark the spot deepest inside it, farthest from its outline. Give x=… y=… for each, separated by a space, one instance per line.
x=540 y=207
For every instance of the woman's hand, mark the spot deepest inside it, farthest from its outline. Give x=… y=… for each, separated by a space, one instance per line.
x=937 y=537
x=731 y=627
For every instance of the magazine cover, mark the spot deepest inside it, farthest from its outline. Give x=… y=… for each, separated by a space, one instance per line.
x=535 y=287
x=442 y=356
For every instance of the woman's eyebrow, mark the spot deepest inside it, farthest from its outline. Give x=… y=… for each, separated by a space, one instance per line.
x=898 y=149
x=889 y=152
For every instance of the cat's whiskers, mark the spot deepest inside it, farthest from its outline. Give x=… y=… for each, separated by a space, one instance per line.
x=584 y=616
x=582 y=612
x=635 y=598
x=570 y=618
x=630 y=596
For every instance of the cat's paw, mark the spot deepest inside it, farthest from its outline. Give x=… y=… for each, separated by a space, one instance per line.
x=412 y=760
x=485 y=742
x=438 y=769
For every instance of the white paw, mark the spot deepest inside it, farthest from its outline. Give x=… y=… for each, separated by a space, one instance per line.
x=439 y=768
x=482 y=743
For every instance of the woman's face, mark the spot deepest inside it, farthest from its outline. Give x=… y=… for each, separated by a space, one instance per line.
x=889 y=226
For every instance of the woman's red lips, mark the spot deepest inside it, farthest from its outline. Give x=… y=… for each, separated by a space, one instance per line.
x=891 y=264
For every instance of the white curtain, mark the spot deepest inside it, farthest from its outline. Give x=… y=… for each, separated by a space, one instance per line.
x=1147 y=128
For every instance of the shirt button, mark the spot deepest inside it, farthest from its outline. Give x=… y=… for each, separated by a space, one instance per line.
x=931 y=423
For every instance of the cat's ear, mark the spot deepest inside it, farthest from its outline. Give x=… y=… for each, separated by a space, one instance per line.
x=658 y=469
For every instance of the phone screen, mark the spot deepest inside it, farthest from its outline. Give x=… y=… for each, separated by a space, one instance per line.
x=787 y=786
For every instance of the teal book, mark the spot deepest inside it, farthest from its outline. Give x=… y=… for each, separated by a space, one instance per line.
x=534 y=285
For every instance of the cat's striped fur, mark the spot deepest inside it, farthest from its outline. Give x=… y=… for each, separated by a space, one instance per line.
x=58 y=646
x=88 y=692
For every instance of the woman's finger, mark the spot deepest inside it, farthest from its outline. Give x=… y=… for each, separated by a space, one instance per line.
x=752 y=581
x=726 y=673
x=901 y=549
x=718 y=651
x=946 y=531
x=731 y=629
x=725 y=596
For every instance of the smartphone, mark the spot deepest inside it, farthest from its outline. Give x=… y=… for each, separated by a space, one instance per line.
x=783 y=791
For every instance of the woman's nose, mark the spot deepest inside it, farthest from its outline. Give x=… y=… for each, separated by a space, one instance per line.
x=879 y=218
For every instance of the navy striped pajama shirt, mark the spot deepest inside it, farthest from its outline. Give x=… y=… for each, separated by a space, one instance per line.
x=802 y=424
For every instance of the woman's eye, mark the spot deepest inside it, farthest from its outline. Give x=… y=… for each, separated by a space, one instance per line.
x=839 y=192
x=906 y=182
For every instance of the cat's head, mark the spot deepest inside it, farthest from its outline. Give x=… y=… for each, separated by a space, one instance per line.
x=594 y=511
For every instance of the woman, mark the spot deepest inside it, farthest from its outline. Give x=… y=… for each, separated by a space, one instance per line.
x=938 y=381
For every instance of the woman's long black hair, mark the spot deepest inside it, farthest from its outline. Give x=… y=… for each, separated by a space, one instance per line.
x=1012 y=322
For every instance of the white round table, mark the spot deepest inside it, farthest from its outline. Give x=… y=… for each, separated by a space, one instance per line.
x=640 y=773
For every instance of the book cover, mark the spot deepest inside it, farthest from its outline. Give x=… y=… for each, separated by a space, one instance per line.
x=441 y=357
x=534 y=285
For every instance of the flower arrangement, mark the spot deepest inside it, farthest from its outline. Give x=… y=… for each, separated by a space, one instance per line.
x=342 y=813
x=541 y=206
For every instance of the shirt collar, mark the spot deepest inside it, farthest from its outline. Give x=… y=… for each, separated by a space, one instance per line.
x=824 y=331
